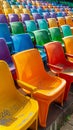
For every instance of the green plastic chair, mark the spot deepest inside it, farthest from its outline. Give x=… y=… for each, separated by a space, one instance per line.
x=56 y=35
x=30 y=27
x=17 y=28
x=66 y=30
x=42 y=37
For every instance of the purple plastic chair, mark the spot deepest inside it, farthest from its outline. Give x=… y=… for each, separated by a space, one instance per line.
x=46 y=15
x=3 y=19
x=53 y=15
x=36 y=16
x=13 y=17
x=5 y=55
x=25 y=17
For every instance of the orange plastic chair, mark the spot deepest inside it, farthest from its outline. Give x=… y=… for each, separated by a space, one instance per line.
x=17 y=111
x=69 y=21
x=52 y=22
x=59 y=64
x=68 y=41
x=61 y=21
x=32 y=76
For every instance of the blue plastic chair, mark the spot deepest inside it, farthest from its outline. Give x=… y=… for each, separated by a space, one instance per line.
x=23 y=42
x=5 y=33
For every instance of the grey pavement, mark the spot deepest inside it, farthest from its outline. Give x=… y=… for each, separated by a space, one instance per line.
x=68 y=125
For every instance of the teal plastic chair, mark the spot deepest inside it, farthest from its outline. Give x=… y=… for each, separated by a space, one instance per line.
x=66 y=30
x=17 y=28
x=30 y=27
x=42 y=23
x=56 y=35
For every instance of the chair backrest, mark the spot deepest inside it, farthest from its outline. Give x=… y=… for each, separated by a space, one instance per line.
x=55 y=53
x=61 y=21
x=36 y=16
x=56 y=34
x=66 y=30
x=42 y=37
x=69 y=21
x=68 y=41
x=42 y=23
x=8 y=11
x=25 y=17
x=52 y=22
x=4 y=32
x=59 y=14
x=17 y=27
x=8 y=91
x=4 y=51
x=30 y=25
x=29 y=65
x=22 y=42
x=53 y=15
x=46 y=15
x=3 y=19
x=13 y=17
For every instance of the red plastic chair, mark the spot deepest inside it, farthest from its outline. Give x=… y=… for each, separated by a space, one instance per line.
x=59 y=64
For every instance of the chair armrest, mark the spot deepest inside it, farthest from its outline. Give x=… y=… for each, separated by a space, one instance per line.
x=69 y=55
x=56 y=69
x=39 y=47
x=26 y=86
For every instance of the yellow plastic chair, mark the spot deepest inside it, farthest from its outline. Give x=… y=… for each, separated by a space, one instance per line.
x=52 y=22
x=68 y=41
x=17 y=112
x=8 y=11
x=17 y=11
x=32 y=76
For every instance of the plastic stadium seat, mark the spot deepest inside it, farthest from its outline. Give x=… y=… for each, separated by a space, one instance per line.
x=42 y=23
x=69 y=21
x=3 y=19
x=23 y=42
x=17 y=28
x=5 y=33
x=44 y=88
x=8 y=11
x=17 y=111
x=25 y=17
x=66 y=30
x=68 y=41
x=42 y=37
x=5 y=55
x=46 y=15
x=30 y=27
x=59 y=64
x=52 y=22
x=13 y=17
x=56 y=34
x=61 y=21
x=36 y=16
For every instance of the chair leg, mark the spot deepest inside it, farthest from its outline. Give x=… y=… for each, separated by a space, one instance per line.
x=60 y=99
x=34 y=126
x=67 y=90
x=43 y=112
